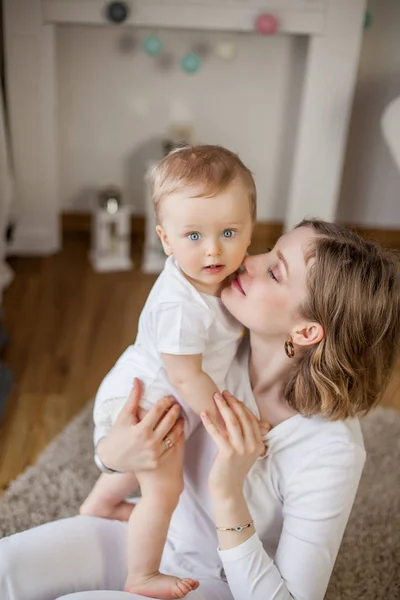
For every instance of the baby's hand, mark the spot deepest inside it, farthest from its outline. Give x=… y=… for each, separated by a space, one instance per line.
x=265 y=427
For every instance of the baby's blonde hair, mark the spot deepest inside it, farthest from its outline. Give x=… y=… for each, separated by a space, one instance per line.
x=204 y=169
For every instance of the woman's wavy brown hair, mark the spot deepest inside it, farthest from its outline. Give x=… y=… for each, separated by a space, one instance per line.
x=354 y=293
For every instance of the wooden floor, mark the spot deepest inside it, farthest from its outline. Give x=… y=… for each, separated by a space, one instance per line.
x=67 y=325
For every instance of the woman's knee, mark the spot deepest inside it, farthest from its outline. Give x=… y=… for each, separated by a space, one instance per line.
x=7 y=559
x=78 y=552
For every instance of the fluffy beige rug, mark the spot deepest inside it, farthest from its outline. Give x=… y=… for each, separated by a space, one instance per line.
x=368 y=566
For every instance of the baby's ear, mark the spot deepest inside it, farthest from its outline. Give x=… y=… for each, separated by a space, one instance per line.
x=164 y=240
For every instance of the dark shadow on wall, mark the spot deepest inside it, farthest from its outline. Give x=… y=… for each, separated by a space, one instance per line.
x=6 y=376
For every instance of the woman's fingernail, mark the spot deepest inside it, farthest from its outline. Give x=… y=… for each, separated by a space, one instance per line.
x=226 y=393
x=218 y=397
x=204 y=416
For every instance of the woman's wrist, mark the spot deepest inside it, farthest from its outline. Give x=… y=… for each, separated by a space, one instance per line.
x=232 y=514
x=101 y=465
x=227 y=500
x=226 y=494
x=105 y=450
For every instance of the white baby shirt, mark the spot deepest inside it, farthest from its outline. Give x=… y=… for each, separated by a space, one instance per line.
x=176 y=319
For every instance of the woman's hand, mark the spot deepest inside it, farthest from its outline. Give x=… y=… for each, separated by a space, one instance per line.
x=133 y=444
x=237 y=449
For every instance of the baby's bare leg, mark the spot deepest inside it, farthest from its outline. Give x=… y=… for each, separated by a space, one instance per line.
x=148 y=527
x=107 y=498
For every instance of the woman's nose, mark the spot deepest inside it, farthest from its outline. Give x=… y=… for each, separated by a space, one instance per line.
x=249 y=264
x=255 y=265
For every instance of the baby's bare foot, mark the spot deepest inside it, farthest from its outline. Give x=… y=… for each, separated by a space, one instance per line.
x=165 y=587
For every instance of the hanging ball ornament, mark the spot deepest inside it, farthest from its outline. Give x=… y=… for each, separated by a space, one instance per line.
x=191 y=62
x=117 y=12
x=368 y=20
x=202 y=49
x=225 y=50
x=127 y=43
x=266 y=24
x=152 y=45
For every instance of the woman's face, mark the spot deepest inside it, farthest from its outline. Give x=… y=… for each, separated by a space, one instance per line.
x=267 y=295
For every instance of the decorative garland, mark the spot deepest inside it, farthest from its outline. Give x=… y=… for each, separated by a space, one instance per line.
x=224 y=49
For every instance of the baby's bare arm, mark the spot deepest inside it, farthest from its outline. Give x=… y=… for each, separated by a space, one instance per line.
x=196 y=387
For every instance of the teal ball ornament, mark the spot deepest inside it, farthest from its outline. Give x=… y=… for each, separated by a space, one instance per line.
x=368 y=19
x=191 y=62
x=152 y=45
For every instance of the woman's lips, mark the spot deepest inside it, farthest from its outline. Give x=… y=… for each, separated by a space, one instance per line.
x=236 y=283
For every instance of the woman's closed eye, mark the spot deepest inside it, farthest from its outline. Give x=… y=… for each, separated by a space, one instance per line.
x=273 y=272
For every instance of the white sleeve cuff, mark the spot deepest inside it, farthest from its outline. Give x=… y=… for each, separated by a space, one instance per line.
x=253 y=544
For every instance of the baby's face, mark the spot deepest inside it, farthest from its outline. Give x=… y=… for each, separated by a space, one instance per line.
x=209 y=237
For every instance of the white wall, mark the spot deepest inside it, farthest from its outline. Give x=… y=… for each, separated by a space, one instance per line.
x=115 y=107
x=371 y=182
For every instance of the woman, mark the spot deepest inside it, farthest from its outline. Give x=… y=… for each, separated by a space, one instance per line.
x=322 y=309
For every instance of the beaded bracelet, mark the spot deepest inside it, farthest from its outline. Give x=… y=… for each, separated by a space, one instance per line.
x=237 y=528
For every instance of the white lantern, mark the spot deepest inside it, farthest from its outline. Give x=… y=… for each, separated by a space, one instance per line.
x=111 y=233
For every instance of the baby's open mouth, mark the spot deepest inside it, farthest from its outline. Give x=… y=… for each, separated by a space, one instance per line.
x=214 y=268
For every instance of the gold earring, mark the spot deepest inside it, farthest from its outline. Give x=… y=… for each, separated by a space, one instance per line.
x=289 y=347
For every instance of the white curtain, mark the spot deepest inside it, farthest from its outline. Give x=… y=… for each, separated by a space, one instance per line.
x=6 y=197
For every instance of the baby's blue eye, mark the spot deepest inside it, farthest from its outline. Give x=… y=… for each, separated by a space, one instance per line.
x=194 y=236
x=228 y=233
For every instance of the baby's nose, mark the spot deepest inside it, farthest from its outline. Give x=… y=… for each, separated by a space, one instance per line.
x=213 y=249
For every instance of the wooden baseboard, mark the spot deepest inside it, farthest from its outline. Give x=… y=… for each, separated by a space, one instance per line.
x=265 y=234
x=81 y=223
x=389 y=238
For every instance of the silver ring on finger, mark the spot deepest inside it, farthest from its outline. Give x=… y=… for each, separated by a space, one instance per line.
x=168 y=443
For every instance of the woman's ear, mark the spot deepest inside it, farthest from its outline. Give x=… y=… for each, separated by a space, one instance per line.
x=307 y=334
x=164 y=240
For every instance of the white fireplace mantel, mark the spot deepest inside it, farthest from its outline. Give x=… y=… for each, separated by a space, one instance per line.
x=295 y=16
x=334 y=28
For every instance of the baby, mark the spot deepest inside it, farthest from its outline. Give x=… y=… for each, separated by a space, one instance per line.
x=205 y=203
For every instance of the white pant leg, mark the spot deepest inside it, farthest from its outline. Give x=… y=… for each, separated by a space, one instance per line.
x=81 y=553
x=207 y=591
x=62 y=557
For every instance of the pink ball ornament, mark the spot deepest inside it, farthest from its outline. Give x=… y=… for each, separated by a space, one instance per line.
x=266 y=24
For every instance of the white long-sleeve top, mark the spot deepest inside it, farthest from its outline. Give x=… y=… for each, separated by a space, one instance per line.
x=300 y=496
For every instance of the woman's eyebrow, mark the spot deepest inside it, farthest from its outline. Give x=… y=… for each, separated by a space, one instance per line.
x=283 y=259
